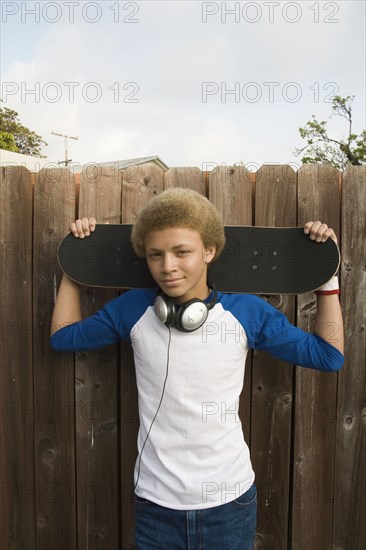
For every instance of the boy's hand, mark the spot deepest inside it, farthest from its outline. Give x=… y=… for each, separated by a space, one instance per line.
x=319 y=231
x=82 y=228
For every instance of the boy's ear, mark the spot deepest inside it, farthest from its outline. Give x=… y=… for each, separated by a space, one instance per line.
x=210 y=253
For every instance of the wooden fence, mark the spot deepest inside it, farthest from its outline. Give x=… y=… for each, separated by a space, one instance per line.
x=69 y=421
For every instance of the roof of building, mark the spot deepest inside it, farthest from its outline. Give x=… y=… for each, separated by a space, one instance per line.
x=34 y=164
x=121 y=164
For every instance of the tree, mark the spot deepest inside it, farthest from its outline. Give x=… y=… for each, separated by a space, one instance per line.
x=7 y=142
x=323 y=149
x=16 y=137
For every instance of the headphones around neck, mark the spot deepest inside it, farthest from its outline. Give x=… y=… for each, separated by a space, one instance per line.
x=189 y=317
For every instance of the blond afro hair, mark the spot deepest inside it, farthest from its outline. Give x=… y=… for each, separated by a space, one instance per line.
x=178 y=207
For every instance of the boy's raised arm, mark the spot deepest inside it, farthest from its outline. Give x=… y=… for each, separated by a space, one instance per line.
x=67 y=307
x=329 y=319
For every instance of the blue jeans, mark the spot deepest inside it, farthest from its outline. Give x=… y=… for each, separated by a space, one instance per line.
x=229 y=526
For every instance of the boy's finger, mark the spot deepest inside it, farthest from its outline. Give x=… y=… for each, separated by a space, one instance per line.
x=73 y=229
x=329 y=233
x=307 y=227
x=85 y=225
x=79 y=229
x=314 y=230
x=320 y=232
x=92 y=224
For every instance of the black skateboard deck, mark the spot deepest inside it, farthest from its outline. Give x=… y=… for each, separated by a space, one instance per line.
x=256 y=260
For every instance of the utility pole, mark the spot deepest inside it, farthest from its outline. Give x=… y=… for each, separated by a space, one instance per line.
x=67 y=161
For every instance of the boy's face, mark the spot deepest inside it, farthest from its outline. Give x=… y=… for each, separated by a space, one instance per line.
x=178 y=260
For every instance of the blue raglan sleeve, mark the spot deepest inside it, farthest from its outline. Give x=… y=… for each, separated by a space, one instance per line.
x=112 y=323
x=268 y=329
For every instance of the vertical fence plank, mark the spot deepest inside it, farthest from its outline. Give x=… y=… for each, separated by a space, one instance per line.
x=350 y=478
x=192 y=178
x=17 y=515
x=97 y=392
x=316 y=392
x=54 y=205
x=230 y=189
x=139 y=185
x=275 y=205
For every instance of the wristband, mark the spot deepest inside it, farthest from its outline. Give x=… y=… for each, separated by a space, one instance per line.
x=331 y=287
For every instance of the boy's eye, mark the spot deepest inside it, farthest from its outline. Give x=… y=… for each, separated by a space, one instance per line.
x=154 y=255
x=183 y=252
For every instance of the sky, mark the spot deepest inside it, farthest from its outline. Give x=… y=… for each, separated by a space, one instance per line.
x=196 y=83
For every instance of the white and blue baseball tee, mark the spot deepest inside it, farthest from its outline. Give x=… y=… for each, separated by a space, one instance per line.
x=195 y=456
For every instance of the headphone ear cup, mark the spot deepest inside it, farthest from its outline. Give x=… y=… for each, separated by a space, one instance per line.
x=164 y=309
x=191 y=316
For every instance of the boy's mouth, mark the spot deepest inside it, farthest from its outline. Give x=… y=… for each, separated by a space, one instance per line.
x=171 y=281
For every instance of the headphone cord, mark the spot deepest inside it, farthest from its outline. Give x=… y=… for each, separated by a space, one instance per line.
x=157 y=410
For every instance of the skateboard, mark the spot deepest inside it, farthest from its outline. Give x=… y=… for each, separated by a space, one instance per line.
x=255 y=260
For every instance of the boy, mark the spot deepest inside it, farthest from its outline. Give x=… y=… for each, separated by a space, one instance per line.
x=194 y=483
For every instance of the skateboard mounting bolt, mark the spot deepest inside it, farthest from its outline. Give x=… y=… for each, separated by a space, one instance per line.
x=255 y=252
x=274 y=267
x=275 y=253
x=254 y=266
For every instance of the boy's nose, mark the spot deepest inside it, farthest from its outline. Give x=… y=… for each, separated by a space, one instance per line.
x=168 y=263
